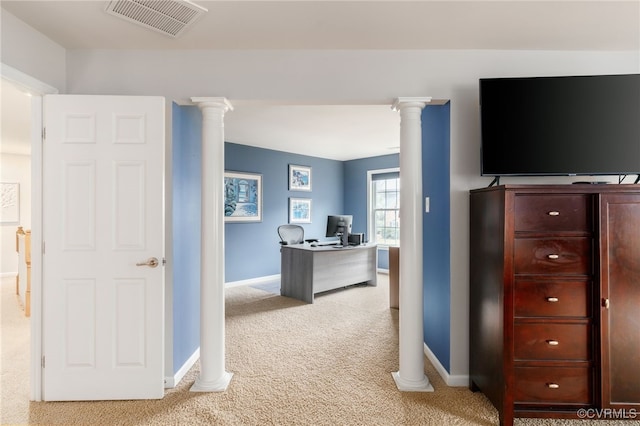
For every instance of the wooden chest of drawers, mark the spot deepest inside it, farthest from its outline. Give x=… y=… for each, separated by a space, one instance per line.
x=539 y=312
x=552 y=352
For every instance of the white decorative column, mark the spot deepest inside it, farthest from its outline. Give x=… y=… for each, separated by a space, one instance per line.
x=411 y=375
x=212 y=377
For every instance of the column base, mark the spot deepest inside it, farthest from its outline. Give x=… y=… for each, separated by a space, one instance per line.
x=219 y=385
x=412 y=386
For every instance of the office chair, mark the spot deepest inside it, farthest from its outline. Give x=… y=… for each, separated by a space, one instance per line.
x=291 y=234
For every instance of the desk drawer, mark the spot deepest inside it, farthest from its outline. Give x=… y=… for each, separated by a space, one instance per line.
x=337 y=268
x=552 y=299
x=552 y=213
x=553 y=385
x=552 y=341
x=553 y=255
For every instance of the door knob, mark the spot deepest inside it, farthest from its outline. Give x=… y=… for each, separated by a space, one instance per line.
x=151 y=262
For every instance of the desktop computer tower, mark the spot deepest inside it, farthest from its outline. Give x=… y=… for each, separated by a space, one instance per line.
x=356 y=239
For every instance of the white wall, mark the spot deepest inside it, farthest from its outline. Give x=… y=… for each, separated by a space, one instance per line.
x=357 y=76
x=31 y=52
x=15 y=168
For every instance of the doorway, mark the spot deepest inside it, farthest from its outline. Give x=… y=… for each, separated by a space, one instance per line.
x=15 y=171
x=36 y=90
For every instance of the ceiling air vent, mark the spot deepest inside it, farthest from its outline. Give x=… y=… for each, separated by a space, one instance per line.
x=170 y=17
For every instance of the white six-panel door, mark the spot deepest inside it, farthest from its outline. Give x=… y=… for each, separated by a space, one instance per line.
x=103 y=213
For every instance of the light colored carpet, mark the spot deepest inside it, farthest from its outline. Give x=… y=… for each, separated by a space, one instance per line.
x=329 y=363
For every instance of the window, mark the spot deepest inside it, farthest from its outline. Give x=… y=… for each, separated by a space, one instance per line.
x=384 y=196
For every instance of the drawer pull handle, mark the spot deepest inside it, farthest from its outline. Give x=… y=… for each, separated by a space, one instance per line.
x=552 y=299
x=553 y=385
x=554 y=213
x=553 y=342
x=553 y=256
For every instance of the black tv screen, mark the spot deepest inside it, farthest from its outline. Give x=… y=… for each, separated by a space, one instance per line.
x=560 y=126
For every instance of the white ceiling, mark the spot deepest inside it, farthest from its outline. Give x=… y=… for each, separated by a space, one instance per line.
x=339 y=132
x=342 y=24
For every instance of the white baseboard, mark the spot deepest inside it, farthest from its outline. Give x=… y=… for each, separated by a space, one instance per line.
x=453 y=381
x=8 y=274
x=268 y=279
x=172 y=382
x=383 y=271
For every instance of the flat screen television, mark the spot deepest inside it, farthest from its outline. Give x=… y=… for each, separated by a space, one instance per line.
x=560 y=126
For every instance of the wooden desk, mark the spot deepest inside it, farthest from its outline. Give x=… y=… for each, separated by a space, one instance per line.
x=307 y=270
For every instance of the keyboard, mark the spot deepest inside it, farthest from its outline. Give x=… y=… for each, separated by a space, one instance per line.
x=327 y=243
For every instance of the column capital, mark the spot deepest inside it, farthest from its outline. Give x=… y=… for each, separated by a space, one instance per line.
x=204 y=102
x=420 y=102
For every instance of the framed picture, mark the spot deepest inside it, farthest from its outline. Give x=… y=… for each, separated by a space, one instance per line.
x=299 y=178
x=242 y=197
x=10 y=204
x=299 y=210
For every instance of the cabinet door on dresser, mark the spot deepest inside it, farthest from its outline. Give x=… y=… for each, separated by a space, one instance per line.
x=620 y=304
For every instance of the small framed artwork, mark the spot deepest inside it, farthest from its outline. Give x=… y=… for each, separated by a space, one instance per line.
x=299 y=210
x=299 y=178
x=242 y=197
x=10 y=208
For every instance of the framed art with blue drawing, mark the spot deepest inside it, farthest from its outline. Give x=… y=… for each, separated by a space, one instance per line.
x=242 y=197
x=299 y=210
x=299 y=178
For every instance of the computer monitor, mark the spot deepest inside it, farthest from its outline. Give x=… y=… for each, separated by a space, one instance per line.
x=338 y=225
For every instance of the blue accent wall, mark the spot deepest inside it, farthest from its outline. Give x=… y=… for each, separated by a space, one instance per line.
x=186 y=170
x=252 y=250
x=355 y=194
x=436 y=231
x=383 y=258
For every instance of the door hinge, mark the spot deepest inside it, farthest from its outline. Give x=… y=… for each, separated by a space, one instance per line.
x=43 y=248
x=44 y=133
x=42 y=361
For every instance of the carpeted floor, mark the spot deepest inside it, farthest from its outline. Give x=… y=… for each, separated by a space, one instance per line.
x=329 y=363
